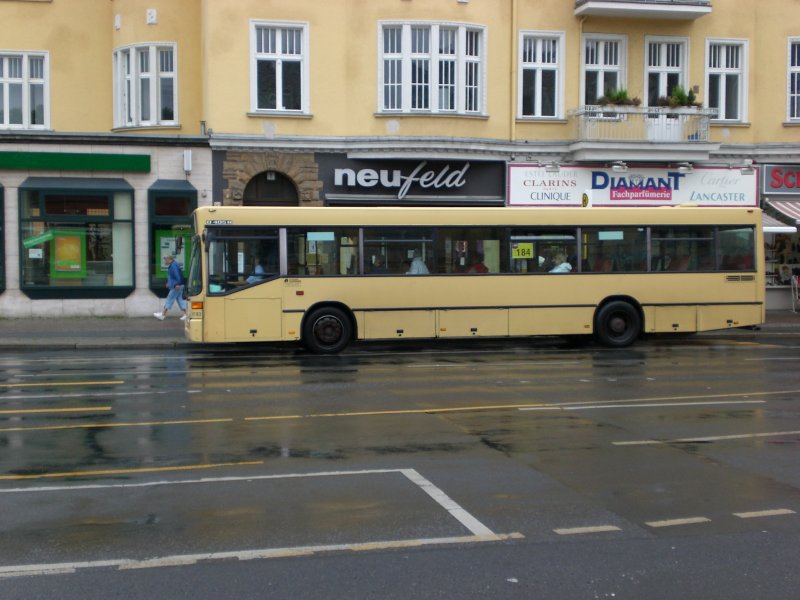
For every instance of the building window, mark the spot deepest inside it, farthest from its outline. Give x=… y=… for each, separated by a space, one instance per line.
x=279 y=67
x=726 y=80
x=145 y=90
x=435 y=69
x=24 y=91
x=171 y=204
x=603 y=66
x=76 y=238
x=794 y=80
x=665 y=68
x=540 y=86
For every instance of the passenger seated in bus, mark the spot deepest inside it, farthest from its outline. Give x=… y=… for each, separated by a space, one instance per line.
x=680 y=263
x=603 y=264
x=561 y=264
x=259 y=273
x=477 y=265
x=378 y=265
x=418 y=266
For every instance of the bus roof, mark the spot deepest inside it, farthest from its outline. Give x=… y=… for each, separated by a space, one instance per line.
x=472 y=216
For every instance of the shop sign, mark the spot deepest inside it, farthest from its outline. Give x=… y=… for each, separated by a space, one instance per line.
x=782 y=180
x=572 y=185
x=410 y=182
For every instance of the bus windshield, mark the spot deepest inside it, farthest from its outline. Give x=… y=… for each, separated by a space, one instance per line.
x=194 y=280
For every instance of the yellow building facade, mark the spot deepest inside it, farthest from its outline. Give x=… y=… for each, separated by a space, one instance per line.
x=118 y=117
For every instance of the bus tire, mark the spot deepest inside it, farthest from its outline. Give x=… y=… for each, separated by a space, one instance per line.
x=617 y=324
x=327 y=330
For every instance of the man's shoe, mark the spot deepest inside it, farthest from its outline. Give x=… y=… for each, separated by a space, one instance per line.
x=184 y=317
x=159 y=316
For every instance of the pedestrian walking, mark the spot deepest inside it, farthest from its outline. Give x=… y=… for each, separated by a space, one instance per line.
x=175 y=286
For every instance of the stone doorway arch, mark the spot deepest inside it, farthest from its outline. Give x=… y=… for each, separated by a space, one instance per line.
x=270 y=188
x=239 y=168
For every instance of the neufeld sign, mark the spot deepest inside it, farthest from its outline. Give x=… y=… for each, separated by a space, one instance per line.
x=443 y=178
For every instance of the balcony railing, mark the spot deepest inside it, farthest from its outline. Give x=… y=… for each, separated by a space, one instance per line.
x=644 y=9
x=641 y=124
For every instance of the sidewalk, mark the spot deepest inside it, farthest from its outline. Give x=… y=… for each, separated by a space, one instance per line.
x=121 y=332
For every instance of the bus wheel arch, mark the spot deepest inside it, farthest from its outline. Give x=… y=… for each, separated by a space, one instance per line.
x=618 y=321
x=328 y=328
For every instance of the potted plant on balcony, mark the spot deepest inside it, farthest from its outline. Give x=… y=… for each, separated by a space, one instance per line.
x=668 y=121
x=679 y=98
x=618 y=98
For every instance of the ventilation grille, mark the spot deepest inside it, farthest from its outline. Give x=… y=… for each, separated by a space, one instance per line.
x=740 y=278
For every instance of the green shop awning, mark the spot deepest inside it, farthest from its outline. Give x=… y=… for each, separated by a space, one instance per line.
x=172 y=185
x=100 y=184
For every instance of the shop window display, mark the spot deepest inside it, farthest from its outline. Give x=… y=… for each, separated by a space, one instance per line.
x=171 y=206
x=782 y=253
x=76 y=243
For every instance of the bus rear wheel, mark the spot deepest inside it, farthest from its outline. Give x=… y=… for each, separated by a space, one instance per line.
x=617 y=324
x=327 y=330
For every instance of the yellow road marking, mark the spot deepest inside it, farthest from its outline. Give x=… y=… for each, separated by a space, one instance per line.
x=127 y=471
x=26 y=411
x=410 y=411
x=61 y=384
x=99 y=425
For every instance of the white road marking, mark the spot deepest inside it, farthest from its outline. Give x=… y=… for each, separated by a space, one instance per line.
x=716 y=438
x=262 y=553
x=461 y=515
x=703 y=397
x=643 y=405
x=450 y=505
x=591 y=529
x=92 y=395
x=516 y=364
x=764 y=513
x=676 y=522
x=480 y=533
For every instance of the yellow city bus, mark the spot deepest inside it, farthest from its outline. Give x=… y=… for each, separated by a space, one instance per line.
x=327 y=276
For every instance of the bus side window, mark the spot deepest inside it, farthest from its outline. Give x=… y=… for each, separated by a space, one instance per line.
x=400 y=247
x=322 y=251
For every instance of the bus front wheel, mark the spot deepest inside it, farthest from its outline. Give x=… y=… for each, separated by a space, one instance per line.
x=617 y=324
x=327 y=331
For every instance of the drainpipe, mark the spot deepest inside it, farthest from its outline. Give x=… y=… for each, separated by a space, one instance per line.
x=514 y=83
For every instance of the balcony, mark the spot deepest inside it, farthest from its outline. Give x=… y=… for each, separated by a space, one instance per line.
x=678 y=10
x=649 y=133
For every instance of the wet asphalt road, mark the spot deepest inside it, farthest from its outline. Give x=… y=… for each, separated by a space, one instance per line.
x=539 y=469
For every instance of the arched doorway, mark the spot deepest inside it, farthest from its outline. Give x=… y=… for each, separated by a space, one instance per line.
x=270 y=188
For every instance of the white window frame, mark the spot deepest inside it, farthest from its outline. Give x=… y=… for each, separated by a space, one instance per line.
x=303 y=58
x=25 y=80
x=682 y=69
x=793 y=72
x=621 y=69
x=559 y=37
x=465 y=62
x=128 y=80
x=741 y=71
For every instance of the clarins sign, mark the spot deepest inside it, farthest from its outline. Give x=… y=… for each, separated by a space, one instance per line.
x=418 y=182
x=533 y=185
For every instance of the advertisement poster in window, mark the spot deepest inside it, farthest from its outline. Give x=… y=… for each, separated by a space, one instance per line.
x=68 y=254
x=169 y=242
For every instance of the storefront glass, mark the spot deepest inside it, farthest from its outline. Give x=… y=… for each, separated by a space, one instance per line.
x=76 y=238
x=2 y=242
x=171 y=205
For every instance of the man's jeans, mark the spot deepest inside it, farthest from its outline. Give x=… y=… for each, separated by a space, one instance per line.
x=175 y=293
